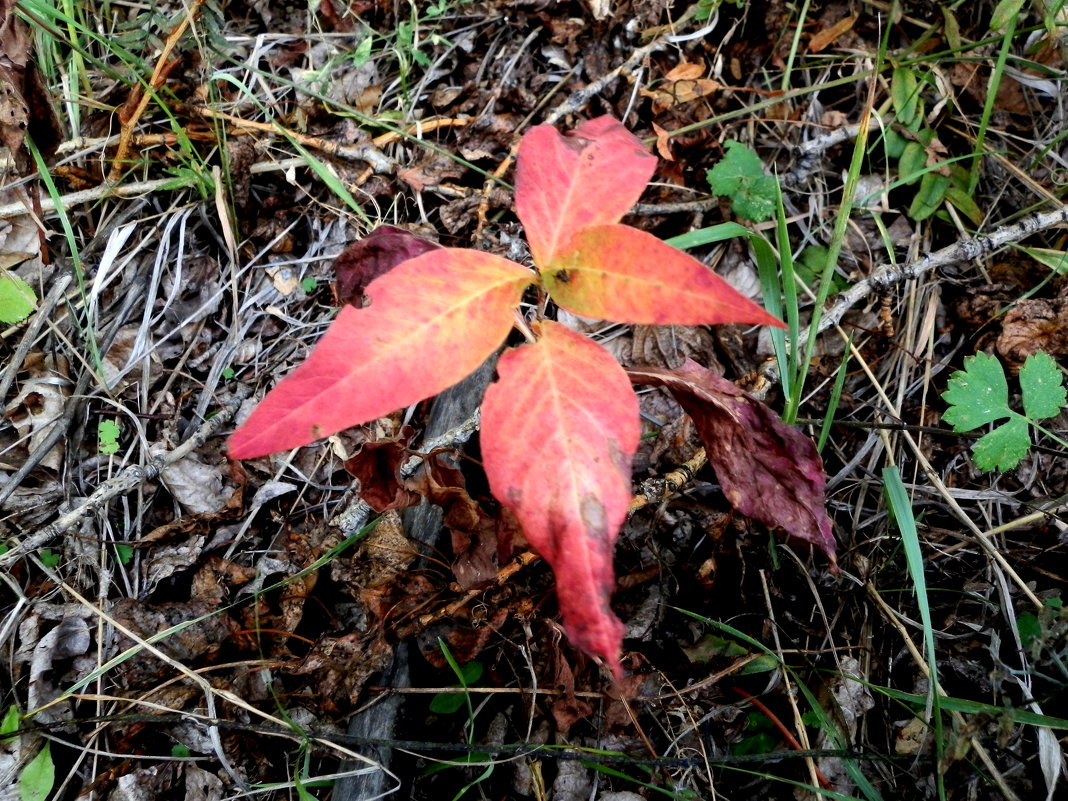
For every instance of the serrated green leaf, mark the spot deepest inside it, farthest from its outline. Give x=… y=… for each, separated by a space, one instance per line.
x=107 y=437
x=38 y=776
x=740 y=176
x=123 y=552
x=1004 y=447
x=976 y=395
x=17 y=299
x=1043 y=387
x=50 y=558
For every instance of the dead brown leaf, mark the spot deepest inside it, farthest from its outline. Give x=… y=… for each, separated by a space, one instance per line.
x=823 y=39
x=24 y=105
x=1033 y=325
x=681 y=85
x=769 y=471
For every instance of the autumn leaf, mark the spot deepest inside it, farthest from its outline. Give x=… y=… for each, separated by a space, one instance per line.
x=376 y=465
x=615 y=272
x=559 y=429
x=769 y=471
x=375 y=255
x=563 y=184
x=432 y=320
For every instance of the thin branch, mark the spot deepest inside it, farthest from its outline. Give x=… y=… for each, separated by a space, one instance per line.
x=126 y=481
x=885 y=276
x=139 y=98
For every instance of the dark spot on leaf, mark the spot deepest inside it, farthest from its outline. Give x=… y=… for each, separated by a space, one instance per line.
x=562 y=276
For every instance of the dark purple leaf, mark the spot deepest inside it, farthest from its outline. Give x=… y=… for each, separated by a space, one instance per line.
x=374 y=255
x=769 y=471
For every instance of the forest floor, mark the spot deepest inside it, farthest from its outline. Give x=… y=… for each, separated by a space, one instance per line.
x=178 y=624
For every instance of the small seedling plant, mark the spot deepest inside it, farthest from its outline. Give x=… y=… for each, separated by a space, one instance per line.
x=979 y=395
x=560 y=425
x=740 y=176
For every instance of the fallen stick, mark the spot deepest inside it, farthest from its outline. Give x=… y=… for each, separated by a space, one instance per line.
x=885 y=276
x=129 y=479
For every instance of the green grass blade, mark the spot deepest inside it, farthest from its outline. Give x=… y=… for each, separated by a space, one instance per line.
x=900 y=506
x=836 y=396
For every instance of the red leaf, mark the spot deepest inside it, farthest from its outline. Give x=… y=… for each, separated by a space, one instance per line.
x=432 y=320
x=376 y=254
x=769 y=471
x=558 y=432
x=615 y=272
x=564 y=184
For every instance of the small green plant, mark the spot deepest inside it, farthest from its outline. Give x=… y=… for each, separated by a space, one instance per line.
x=123 y=552
x=107 y=437
x=17 y=299
x=447 y=703
x=809 y=268
x=39 y=775
x=50 y=558
x=979 y=395
x=1045 y=638
x=740 y=176
x=920 y=155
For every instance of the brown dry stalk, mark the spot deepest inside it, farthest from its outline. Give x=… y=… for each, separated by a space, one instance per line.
x=163 y=67
x=655 y=490
x=372 y=154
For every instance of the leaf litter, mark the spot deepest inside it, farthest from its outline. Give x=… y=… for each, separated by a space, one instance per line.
x=302 y=647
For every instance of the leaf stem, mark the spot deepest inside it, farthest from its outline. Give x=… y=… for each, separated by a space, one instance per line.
x=521 y=324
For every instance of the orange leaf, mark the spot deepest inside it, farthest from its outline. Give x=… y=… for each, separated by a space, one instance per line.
x=432 y=320
x=615 y=272
x=559 y=430
x=563 y=184
x=823 y=39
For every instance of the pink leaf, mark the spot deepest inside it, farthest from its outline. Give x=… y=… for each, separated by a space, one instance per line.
x=563 y=184
x=615 y=272
x=432 y=320
x=559 y=430
x=769 y=471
